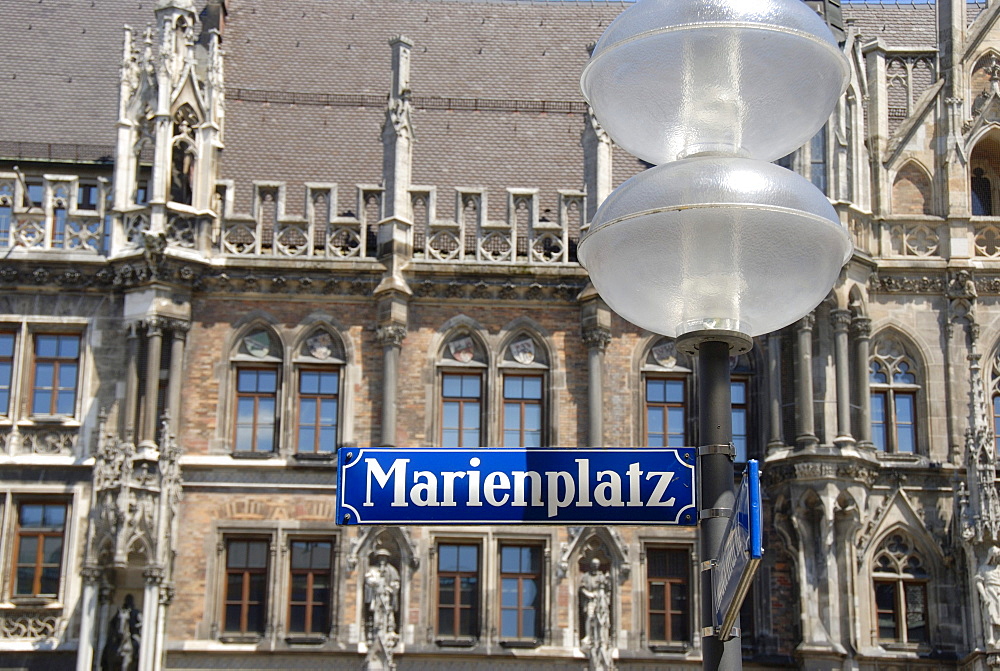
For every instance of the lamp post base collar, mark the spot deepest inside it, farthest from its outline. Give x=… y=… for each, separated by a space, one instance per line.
x=738 y=342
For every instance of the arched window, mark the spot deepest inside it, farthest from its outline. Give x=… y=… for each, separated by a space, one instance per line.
x=524 y=375
x=257 y=372
x=894 y=391
x=984 y=168
x=899 y=583
x=319 y=362
x=462 y=368
x=666 y=395
x=911 y=190
x=995 y=398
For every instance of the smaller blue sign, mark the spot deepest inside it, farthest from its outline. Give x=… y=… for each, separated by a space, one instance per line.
x=516 y=485
x=740 y=553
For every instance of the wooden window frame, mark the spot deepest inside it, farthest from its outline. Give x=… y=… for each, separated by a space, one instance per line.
x=11 y=360
x=521 y=578
x=461 y=401
x=256 y=396
x=244 y=601
x=899 y=584
x=57 y=362
x=455 y=609
x=315 y=400
x=522 y=403
x=310 y=603
x=665 y=406
x=39 y=564
x=671 y=638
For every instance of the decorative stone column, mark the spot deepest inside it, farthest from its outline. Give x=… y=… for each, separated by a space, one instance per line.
x=805 y=429
x=148 y=655
x=774 y=391
x=131 y=382
x=178 y=340
x=841 y=322
x=154 y=350
x=91 y=575
x=390 y=337
x=596 y=338
x=597 y=148
x=861 y=328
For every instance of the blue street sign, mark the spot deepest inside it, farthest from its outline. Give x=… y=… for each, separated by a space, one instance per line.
x=740 y=553
x=514 y=485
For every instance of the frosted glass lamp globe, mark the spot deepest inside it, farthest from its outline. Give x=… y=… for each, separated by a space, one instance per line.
x=673 y=78
x=715 y=243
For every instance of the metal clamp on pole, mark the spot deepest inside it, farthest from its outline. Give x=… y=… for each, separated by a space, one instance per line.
x=708 y=565
x=707 y=632
x=728 y=449
x=708 y=513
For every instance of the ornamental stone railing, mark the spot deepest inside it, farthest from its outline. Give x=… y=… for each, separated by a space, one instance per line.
x=29 y=624
x=39 y=439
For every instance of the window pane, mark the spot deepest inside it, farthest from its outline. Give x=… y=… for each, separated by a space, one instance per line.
x=309 y=382
x=469 y=590
x=237 y=557
x=533 y=417
x=878 y=420
x=512 y=417
x=675 y=391
x=28 y=551
x=452 y=386
x=297 y=619
x=46 y=346
x=232 y=617
x=44 y=374
x=529 y=595
x=53 y=516
x=509 y=592
x=655 y=391
x=916 y=612
x=657 y=627
x=470 y=386
x=513 y=386
x=533 y=388
x=329 y=383
x=447 y=557
x=510 y=559
x=470 y=416
x=885 y=603
x=528 y=622
x=446 y=622
x=468 y=558
x=508 y=624
x=52 y=550
x=739 y=392
x=256 y=554
x=267 y=380
x=49 y=583
x=31 y=515
x=657 y=596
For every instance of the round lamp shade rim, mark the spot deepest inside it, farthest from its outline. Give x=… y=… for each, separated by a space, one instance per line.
x=600 y=54
x=593 y=229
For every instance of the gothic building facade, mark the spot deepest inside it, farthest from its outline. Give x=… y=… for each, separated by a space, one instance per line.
x=238 y=234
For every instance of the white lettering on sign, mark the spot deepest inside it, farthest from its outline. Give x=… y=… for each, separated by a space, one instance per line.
x=552 y=490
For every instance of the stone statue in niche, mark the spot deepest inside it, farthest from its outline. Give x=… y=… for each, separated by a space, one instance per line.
x=382 y=597
x=988 y=586
x=595 y=600
x=121 y=649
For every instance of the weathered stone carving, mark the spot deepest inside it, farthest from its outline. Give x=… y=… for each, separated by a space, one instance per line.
x=988 y=585
x=382 y=599
x=121 y=650
x=595 y=600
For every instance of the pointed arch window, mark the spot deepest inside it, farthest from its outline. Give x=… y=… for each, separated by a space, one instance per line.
x=524 y=371
x=899 y=583
x=258 y=380
x=318 y=367
x=666 y=389
x=995 y=399
x=462 y=370
x=894 y=382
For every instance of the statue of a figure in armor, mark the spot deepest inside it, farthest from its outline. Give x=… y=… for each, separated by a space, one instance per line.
x=121 y=649
x=595 y=599
x=382 y=597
